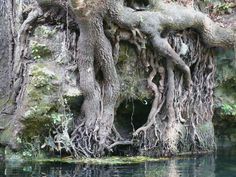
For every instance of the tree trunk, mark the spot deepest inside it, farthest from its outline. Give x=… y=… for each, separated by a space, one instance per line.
x=169 y=40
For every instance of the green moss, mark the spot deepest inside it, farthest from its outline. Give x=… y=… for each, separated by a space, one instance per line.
x=125 y=53
x=45 y=31
x=106 y=160
x=6 y=135
x=41 y=84
x=15 y=157
x=40 y=51
x=41 y=92
x=228 y=109
x=47 y=116
x=133 y=83
x=226 y=86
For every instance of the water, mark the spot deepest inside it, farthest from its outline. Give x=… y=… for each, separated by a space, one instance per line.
x=222 y=164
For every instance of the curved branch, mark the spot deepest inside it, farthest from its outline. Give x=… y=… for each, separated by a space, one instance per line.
x=119 y=143
x=175 y=17
x=165 y=49
x=21 y=36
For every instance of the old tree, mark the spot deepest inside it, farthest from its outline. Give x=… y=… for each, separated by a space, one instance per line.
x=172 y=54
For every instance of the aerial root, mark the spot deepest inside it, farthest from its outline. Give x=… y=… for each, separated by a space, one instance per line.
x=156 y=105
x=166 y=50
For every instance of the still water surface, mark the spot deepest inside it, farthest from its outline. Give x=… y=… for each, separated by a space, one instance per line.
x=222 y=164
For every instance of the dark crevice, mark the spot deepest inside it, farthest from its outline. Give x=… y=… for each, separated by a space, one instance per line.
x=137 y=4
x=131 y=114
x=75 y=103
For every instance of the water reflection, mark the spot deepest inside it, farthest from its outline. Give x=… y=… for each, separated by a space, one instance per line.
x=223 y=164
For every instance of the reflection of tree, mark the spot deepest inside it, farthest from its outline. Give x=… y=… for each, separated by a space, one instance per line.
x=226 y=160
x=195 y=166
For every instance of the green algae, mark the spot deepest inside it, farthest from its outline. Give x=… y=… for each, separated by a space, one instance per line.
x=114 y=160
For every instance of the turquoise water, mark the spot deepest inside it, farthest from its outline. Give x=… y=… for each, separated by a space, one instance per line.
x=221 y=164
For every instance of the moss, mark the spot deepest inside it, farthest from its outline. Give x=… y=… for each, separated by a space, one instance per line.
x=225 y=108
x=115 y=160
x=40 y=51
x=45 y=31
x=36 y=127
x=6 y=136
x=46 y=110
x=74 y=103
x=226 y=76
x=41 y=104
x=11 y=156
x=125 y=53
x=41 y=84
x=133 y=83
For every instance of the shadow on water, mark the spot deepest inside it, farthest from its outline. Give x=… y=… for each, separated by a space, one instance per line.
x=220 y=165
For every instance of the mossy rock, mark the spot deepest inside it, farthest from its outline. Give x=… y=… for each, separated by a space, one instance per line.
x=45 y=31
x=133 y=83
x=42 y=101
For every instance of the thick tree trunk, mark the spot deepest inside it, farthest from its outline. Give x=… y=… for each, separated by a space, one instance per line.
x=180 y=73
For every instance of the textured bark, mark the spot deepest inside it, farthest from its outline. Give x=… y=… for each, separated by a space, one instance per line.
x=180 y=72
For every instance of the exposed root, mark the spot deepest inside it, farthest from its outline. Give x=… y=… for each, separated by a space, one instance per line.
x=157 y=103
x=164 y=47
x=119 y=143
x=22 y=36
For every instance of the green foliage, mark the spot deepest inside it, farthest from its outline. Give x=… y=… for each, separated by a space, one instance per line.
x=223 y=8
x=56 y=117
x=37 y=119
x=32 y=149
x=42 y=80
x=48 y=116
x=59 y=139
x=56 y=128
x=226 y=83
x=228 y=109
x=40 y=51
x=218 y=7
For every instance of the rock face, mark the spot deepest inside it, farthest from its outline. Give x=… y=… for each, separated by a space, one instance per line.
x=5 y=69
x=225 y=99
x=51 y=82
x=4 y=59
x=50 y=85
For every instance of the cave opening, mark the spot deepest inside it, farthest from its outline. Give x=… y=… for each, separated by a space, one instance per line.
x=130 y=115
x=74 y=104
